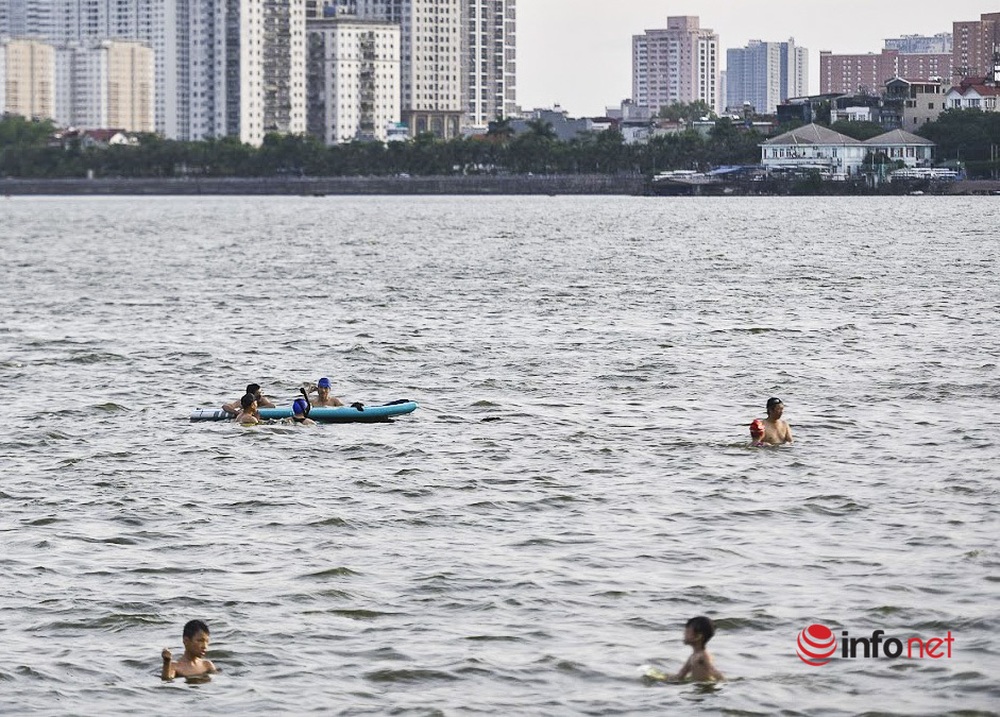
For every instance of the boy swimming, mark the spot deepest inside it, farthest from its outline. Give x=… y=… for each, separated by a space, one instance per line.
x=193 y=663
x=699 y=667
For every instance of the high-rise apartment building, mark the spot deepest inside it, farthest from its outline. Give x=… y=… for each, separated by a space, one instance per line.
x=28 y=76
x=131 y=87
x=431 y=59
x=264 y=68
x=974 y=45
x=765 y=74
x=678 y=64
x=489 y=60
x=222 y=67
x=110 y=84
x=29 y=19
x=353 y=78
x=850 y=74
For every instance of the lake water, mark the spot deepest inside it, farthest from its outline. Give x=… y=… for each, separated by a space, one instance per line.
x=575 y=485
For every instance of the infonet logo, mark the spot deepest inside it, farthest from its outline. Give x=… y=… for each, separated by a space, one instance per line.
x=816 y=645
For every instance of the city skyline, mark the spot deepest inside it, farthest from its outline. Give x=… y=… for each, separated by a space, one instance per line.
x=588 y=68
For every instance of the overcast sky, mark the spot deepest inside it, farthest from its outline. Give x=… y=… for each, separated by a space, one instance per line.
x=578 y=53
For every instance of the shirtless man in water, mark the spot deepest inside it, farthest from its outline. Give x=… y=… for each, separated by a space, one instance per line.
x=322 y=388
x=776 y=431
x=262 y=400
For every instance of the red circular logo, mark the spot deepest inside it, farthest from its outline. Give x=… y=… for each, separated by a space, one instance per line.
x=816 y=645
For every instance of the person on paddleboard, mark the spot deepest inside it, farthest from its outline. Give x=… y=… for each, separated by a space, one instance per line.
x=322 y=389
x=254 y=388
x=776 y=431
x=193 y=663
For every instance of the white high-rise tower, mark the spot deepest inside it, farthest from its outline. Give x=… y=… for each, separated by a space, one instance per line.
x=431 y=59
x=489 y=60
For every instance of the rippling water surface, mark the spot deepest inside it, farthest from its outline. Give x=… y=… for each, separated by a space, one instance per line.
x=575 y=485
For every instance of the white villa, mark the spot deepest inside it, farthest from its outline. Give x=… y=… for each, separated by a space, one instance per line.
x=973 y=97
x=814 y=147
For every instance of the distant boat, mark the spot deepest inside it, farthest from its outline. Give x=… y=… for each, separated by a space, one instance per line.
x=682 y=181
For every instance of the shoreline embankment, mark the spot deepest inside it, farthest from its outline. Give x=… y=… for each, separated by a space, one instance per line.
x=322 y=186
x=472 y=185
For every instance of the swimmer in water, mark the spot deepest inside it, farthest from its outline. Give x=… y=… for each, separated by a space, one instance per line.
x=322 y=389
x=254 y=388
x=699 y=667
x=757 y=432
x=193 y=663
x=300 y=413
x=776 y=431
x=248 y=415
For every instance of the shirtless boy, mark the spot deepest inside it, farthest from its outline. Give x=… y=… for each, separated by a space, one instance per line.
x=248 y=415
x=254 y=388
x=322 y=388
x=699 y=667
x=195 y=646
x=776 y=431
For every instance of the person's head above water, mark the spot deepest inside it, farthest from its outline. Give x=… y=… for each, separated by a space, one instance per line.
x=253 y=388
x=757 y=429
x=248 y=400
x=323 y=383
x=299 y=407
x=774 y=407
x=193 y=627
x=699 y=629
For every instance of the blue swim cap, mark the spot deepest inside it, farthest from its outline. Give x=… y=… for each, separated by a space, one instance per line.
x=323 y=383
x=299 y=406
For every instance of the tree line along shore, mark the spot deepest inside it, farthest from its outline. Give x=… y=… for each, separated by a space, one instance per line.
x=499 y=161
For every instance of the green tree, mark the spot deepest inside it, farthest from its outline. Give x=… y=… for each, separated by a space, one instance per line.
x=542 y=129
x=16 y=131
x=970 y=137
x=500 y=129
x=687 y=112
x=858 y=130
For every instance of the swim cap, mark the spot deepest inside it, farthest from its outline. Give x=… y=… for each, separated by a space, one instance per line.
x=323 y=383
x=774 y=402
x=757 y=428
x=299 y=406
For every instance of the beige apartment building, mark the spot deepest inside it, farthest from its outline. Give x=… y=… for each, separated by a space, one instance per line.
x=27 y=79
x=676 y=64
x=131 y=87
x=105 y=85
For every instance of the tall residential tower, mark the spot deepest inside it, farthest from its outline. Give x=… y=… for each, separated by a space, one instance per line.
x=431 y=59
x=765 y=74
x=678 y=64
x=489 y=60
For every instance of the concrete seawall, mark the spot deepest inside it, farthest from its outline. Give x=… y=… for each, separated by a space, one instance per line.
x=318 y=186
x=552 y=184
